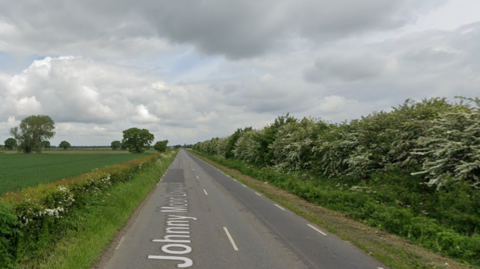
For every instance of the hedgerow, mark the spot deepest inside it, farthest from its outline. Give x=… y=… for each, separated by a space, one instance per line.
x=413 y=171
x=29 y=218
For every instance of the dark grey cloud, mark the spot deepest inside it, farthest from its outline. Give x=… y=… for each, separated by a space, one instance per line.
x=236 y=28
x=247 y=28
x=345 y=67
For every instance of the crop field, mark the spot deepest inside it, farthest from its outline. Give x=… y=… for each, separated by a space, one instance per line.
x=18 y=171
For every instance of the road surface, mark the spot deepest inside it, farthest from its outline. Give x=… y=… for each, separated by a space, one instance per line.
x=198 y=217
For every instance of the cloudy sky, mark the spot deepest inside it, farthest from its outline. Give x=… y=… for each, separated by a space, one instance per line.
x=191 y=70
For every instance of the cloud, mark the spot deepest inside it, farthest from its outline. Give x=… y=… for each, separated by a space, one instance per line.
x=70 y=88
x=143 y=116
x=237 y=28
x=345 y=67
x=92 y=101
x=418 y=65
x=191 y=70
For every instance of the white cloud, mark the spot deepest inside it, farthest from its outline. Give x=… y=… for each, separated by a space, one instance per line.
x=143 y=116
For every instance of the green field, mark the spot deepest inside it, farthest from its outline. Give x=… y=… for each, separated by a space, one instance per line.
x=18 y=171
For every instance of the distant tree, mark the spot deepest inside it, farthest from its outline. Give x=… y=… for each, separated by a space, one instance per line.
x=65 y=145
x=32 y=131
x=116 y=145
x=46 y=144
x=123 y=146
x=137 y=140
x=161 y=146
x=10 y=143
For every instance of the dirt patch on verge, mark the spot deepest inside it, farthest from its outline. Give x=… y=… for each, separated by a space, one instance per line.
x=393 y=251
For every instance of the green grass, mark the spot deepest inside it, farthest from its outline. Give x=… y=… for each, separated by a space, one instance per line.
x=25 y=170
x=94 y=226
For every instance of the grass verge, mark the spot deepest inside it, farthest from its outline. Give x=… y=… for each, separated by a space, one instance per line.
x=393 y=251
x=96 y=224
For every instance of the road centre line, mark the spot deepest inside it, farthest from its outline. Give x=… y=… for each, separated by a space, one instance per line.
x=258 y=194
x=197 y=177
x=231 y=239
x=311 y=226
x=280 y=207
x=205 y=192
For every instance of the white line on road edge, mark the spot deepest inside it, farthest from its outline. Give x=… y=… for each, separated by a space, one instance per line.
x=231 y=239
x=119 y=243
x=258 y=194
x=197 y=177
x=244 y=185
x=311 y=226
x=280 y=207
x=205 y=192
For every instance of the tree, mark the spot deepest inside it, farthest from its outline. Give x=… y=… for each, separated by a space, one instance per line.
x=65 y=145
x=46 y=144
x=232 y=140
x=161 y=146
x=10 y=143
x=136 y=140
x=122 y=145
x=116 y=145
x=32 y=131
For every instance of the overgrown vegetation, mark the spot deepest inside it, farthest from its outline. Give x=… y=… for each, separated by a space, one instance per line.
x=413 y=171
x=34 y=219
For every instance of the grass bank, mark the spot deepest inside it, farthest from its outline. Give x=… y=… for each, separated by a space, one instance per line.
x=349 y=221
x=66 y=224
x=98 y=222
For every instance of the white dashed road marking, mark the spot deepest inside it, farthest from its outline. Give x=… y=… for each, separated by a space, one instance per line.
x=311 y=226
x=231 y=239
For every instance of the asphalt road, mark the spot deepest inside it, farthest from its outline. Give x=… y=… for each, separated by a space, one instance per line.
x=198 y=217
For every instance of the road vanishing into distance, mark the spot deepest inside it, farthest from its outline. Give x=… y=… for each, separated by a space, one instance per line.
x=198 y=217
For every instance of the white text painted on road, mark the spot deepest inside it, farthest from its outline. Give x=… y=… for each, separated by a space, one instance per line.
x=177 y=231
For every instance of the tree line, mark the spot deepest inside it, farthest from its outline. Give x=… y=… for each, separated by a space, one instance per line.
x=138 y=141
x=34 y=131
x=435 y=139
